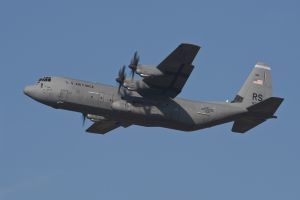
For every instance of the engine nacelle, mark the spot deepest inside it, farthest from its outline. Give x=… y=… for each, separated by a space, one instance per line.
x=94 y=118
x=148 y=70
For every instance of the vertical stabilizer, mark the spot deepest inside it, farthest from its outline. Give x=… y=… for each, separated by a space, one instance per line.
x=257 y=87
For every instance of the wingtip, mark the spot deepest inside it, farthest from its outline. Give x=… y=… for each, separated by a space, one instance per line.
x=190 y=45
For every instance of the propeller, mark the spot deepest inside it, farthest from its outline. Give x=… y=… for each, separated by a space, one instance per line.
x=121 y=78
x=134 y=63
x=83 y=119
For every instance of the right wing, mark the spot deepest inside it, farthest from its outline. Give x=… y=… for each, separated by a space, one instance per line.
x=175 y=69
x=104 y=126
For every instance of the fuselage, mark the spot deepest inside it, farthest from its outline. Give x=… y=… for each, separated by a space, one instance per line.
x=129 y=107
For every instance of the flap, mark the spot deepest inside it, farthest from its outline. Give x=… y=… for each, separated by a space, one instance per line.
x=103 y=126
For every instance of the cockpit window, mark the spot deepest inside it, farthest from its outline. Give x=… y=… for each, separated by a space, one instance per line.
x=44 y=79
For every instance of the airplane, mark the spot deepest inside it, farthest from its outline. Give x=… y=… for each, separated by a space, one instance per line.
x=151 y=100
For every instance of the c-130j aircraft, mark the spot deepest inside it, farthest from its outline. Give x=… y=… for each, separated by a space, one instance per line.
x=151 y=101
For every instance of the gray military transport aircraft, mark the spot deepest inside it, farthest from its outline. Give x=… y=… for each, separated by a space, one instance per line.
x=151 y=101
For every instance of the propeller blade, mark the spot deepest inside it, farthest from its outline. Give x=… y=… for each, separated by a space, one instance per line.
x=121 y=78
x=134 y=63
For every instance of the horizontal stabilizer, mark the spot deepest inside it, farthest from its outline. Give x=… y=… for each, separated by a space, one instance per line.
x=245 y=124
x=267 y=107
x=257 y=114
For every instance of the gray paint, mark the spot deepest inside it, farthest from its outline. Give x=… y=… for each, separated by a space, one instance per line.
x=110 y=109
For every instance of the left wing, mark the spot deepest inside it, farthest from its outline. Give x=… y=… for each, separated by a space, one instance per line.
x=176 y=69
x=104 y=126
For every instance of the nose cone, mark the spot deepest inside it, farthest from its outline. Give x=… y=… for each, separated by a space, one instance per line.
x=28 y=90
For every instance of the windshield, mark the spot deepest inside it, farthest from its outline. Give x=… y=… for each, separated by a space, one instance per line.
x=44 y=79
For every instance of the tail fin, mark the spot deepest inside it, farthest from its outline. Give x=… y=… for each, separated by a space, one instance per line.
x=257 y=114
x=256 y=96
x=257 y=87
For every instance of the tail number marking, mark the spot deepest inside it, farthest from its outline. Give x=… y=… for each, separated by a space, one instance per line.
x=257 y=97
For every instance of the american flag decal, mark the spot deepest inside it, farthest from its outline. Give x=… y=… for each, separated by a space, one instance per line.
x=258 y=82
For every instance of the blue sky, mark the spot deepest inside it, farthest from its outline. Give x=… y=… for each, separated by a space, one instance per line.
x=46 y=154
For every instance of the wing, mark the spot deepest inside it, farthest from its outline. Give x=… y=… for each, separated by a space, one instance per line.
x=176 y=69
x=104 y=126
